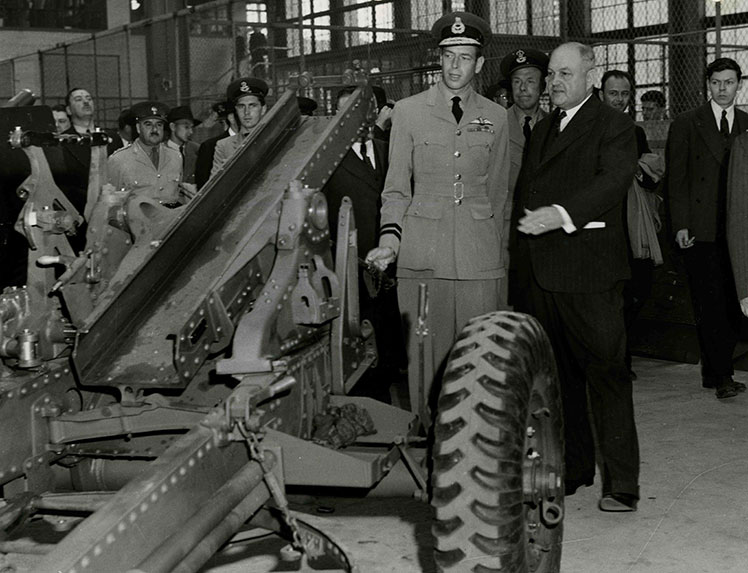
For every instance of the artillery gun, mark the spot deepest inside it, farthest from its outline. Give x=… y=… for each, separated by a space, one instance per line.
x=165 y=381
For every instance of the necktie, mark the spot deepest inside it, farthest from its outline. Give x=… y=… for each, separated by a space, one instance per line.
x=154 y=156
x=526 y=129
x=181 y=152
x=724 y=127
x=456 y=109
x=557 y=126
x=554 y=132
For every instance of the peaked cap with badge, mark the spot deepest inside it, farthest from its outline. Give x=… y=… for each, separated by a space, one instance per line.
x=150 y=110
x=461 y=29
x=246 y=86
x=524 y=58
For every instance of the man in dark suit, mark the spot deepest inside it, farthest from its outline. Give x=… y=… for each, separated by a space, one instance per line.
x=72 y=178
x=698 y=152
x=204 y=161
x=181 y=125
x=572 y=262
x=360 y=177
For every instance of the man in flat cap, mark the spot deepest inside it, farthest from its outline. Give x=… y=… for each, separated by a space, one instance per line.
x=446 y=229
x=248 y=98
x=148 y=167
x=181 y=126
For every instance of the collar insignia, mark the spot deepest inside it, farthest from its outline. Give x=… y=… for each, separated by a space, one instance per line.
x=458 y=27
x=481 y=121
x=521 y=58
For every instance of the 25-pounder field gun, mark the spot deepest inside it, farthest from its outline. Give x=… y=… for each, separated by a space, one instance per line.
x=168 y=381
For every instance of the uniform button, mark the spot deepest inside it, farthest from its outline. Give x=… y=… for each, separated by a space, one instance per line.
x=160 y=188
x=457 y=153
x=458 y=132
x=159 y=175
x=458 y=176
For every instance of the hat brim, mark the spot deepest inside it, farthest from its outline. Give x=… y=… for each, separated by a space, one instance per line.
x=459 y=42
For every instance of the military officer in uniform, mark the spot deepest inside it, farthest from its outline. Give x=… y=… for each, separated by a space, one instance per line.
x=525 y=69
x=148 y=166
x=248 y=98
x=446 y=229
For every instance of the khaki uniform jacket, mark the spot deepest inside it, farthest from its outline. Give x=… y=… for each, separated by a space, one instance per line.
x=225 y=149
x=131 y=168
x=452 y=217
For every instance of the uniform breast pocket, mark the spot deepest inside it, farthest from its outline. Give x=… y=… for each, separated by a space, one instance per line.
x=486 y=243
x=422 y=237
x=480 y=144
x=431 y=154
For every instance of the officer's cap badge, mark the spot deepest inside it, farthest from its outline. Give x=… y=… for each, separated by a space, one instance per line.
x=154 y=110
x=244 y=87
x=458 y=27
x=520 y=57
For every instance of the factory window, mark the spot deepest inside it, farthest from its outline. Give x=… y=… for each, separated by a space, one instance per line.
x=424 y=13
x=379 y=16
x=546 y=16
x=59 y=14
x=308 y=40
x=509 y=17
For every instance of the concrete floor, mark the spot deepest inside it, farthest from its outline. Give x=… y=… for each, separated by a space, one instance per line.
x=693 y=515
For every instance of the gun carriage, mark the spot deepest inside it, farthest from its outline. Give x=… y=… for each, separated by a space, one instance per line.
x=165 y=380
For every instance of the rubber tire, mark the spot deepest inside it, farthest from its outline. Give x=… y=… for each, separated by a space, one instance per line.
x=501 y=366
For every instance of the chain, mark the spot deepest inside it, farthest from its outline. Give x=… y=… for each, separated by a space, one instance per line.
x=279 y=496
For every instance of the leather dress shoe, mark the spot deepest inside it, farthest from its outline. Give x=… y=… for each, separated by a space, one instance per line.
x=572 y=485
x=726 y=391
x=618 y=502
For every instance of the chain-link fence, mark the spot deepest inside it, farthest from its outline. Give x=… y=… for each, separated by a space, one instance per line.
x=189 y=57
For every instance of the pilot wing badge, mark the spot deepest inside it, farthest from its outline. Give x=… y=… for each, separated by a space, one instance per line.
x=481 y=124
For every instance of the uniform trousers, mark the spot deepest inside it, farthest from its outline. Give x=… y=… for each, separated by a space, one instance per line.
x=451 y=304
x=588 y=336
x=715 y=305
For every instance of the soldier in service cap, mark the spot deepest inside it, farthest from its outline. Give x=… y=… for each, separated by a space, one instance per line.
x=526 y=69
x=148 y=167
x=446 y=228
x=248 y=97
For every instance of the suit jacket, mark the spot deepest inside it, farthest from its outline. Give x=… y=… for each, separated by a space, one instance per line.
x=204 y=160
x=515 y=120
x=587 y=170
x=697 y=164
x=70 y=165
x=132 y=169
x=446 y=187
x=188 y=160
x=225 y=149
x=737 y=213
x=357 y=180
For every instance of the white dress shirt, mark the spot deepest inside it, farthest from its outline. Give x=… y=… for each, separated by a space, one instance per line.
x=717 y=111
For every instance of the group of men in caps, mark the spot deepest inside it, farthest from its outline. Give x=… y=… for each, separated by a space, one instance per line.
x=171 y=169
x=463 y=173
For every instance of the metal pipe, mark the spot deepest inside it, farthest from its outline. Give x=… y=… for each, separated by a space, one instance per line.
x=210 y=544
x=208 y=516
x=22 y=98
x=26 y=546
x=718 y=28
